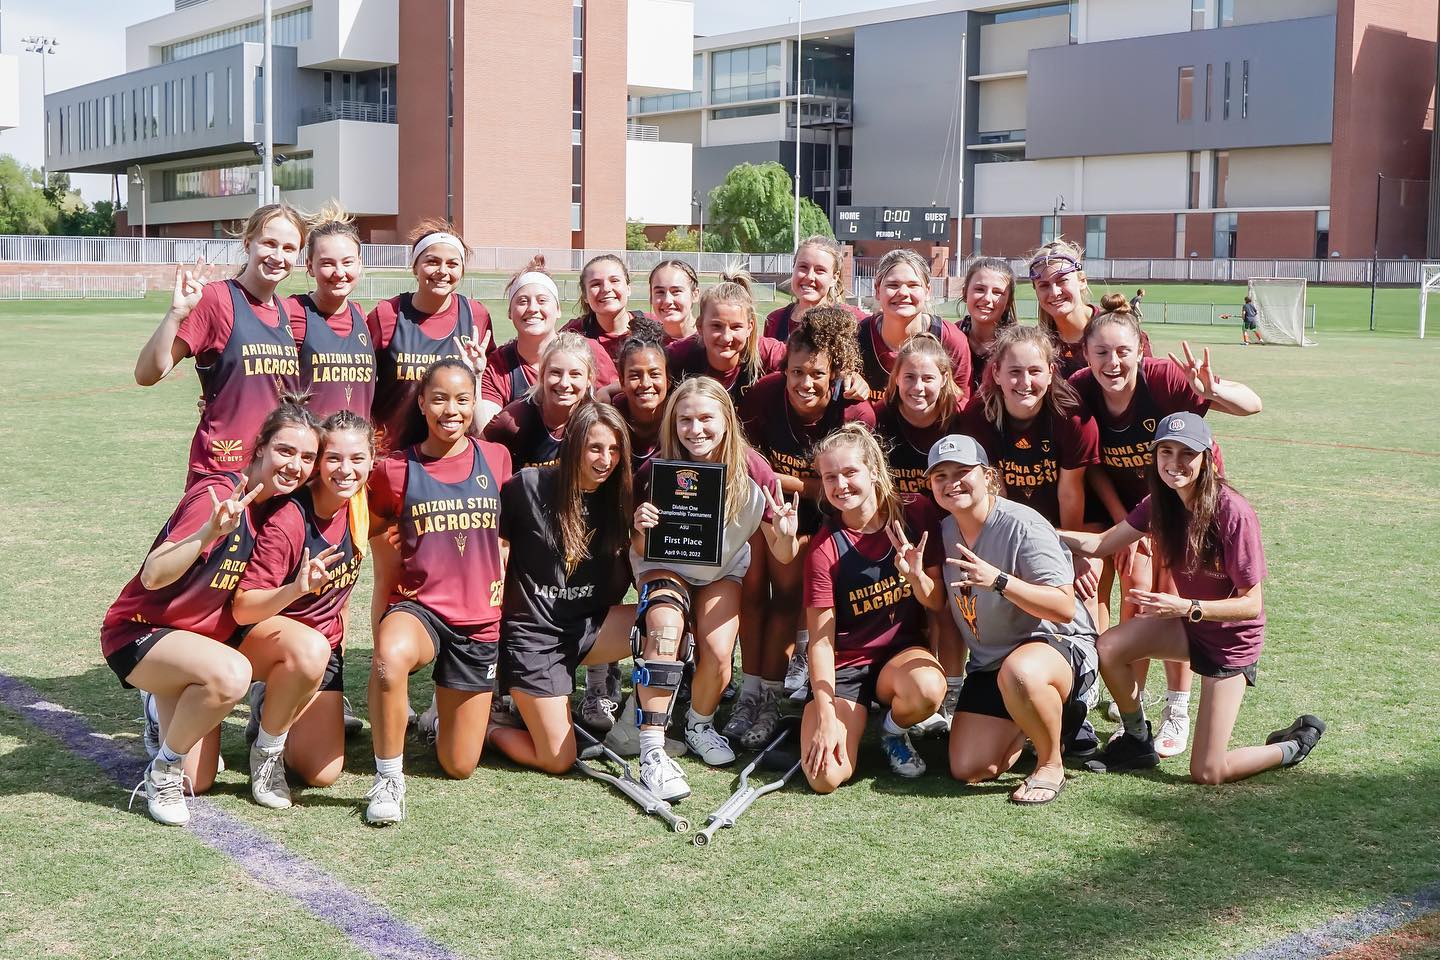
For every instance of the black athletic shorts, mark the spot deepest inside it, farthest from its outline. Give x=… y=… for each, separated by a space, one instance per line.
x=544 y=666
x=334 y=679
x=463 y=660
x=1201 y=663
x=125 y=659
x=1251 y=324
x=981 y=690
x=856 y=683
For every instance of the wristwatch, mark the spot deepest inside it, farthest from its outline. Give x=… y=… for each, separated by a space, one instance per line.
x=1195 y=614
x=1001 y=582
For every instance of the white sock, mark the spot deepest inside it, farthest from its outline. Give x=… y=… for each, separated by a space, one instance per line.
x=393 y=767
x=802 y=642
x=693 y=719
x=1179 y=699
x=953 y=684
x=651 y=738
x=595 y=675
x=776 y=688
x=750 y=684
x=891 y=727
x=168 y=754
x=270 y=742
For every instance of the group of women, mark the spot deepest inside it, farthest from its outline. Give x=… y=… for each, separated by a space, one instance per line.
x=901 y=492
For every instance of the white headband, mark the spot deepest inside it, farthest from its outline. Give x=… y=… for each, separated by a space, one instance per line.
x=541 y=280
x=430 y=239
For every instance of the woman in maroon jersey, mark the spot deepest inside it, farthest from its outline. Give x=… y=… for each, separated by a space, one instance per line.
x=902 y=295
x=238 y=332
x=532 y=426
x=534 y=310
x=1128 y=394
x=563 y=590
x=866 y=589
x=169 y=632
x=605 y=313
x=674 y=288
x=989 y=308
x=1062 y=292
x=815 y=281
x=441 y=488
x=921 y=404
x=728 y=346
x=337 y=360
x=413 y=330
x=1208 y=536
x=640 y=394
x=785 y=414
x=294 y=594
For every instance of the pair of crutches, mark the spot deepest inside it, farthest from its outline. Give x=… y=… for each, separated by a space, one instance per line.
x=724 y=816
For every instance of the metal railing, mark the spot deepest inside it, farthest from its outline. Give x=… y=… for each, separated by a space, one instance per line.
x=1194 y=314
x=642 y=131
x=1390 y=272
x=71 y=287
x=349 y=110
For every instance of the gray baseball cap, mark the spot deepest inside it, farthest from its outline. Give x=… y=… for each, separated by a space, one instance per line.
x=956 y=448
x=1186 y=428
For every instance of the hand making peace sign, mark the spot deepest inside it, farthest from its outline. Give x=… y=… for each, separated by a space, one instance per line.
x=973 y=571
x=189 y=285
x=786 y=514
x=225 y=514
x=909 y=557
x=1199 y=372
x=473 y=354
x=314 y=571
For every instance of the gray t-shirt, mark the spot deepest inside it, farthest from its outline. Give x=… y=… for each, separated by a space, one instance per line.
x=1019 y=542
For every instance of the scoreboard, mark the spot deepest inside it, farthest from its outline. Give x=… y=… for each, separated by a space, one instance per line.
x=899 y=224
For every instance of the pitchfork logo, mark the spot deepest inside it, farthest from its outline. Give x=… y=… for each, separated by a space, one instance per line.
x=349 y=392
x=1148 y=424
x=965 y=602
x=460 y=543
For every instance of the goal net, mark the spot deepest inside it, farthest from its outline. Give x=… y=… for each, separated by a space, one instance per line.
x=1280 y=308
x=1429 y=283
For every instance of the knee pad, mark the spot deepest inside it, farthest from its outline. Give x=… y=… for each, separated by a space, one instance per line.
x=669 y=641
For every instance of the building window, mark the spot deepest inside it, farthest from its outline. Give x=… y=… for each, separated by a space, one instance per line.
x=1225 y=235
x=1225 y=100
x=288 y=29
x=575 y=216
x=109 y=120
x=1049 y=229
x=1185 y=95
x=1221 y=179
x=1227 y=13
x=1322 y=234
x=746 y=73
x=234 y=178
x=1209 y=83
x=756 y=110
x=1095 y=237
x=1193 y=193
x=1179 y=236
x=1244 y=89
x=975 y=236
x=577 y=116
x=229 y=98
x=209 y=98
x=1197 y=14
x=675 y=101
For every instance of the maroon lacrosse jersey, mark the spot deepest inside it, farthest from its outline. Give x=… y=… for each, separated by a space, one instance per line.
x=199 y=601
x=854 y=574
x=245 y=356
x=908 y=446
x=687 y=358
x=520 y=428
x=1072 y=355
x=448 y=511
x=782 y=320
x=1161 y=388
x=1029 y=459
x=1239 y=564
x=508 y=377
x=337 y=360
x=281 y=544
x=878 y=358
x=407 y=341
x=644 y=442
x=589 y=327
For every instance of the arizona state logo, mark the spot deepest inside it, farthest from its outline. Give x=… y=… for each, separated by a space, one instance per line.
x=1045 y=445
x=226 y=449
x=483 y=480
x=1022 y=444
x=364 y=341
x=1149 y=424
x=460 y=543
x=965 y=603
x=286 y=328
x=349 y=392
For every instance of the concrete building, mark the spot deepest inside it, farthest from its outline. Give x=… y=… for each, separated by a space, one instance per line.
x=537 y=149
x=9 y=91
x=1140 y=128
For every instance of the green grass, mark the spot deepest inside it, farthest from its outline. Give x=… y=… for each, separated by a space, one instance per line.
x=515 y=864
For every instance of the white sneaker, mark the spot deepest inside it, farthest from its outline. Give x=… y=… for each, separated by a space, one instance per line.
x=267 y=779
x=624 y=737
x=707 y=744
x=428 y=724
x=151 y=719
x=598 y=711
x=1174 y=734
x=935 y=725
x=797 y=673
x=387 y=800
x=767 y=718
x=902 y=756
x=352 y=721
x=663 y=777
x=742 y=718
x=257 y=703
x=164 y=786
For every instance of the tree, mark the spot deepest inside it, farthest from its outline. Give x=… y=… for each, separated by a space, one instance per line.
x=86 y=221
x=753 y=210
x=23 y=207
x=681 y=240
x=635 y=238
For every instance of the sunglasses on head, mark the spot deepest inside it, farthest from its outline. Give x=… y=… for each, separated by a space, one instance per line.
x=1037 y=267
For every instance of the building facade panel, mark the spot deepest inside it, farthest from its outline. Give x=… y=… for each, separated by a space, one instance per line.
x=1277 y=177
x=352 y=35
x=1005 y=47
x=1140 y=235
x=657 y=182
x=656 y=62
x=1276 y=233
x=603 y=223
x=1122 y=19
x=1024 y=186
x=1155 y=181
x=421 y=103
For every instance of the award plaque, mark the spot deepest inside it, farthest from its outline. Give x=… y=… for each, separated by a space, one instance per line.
x=691 y=500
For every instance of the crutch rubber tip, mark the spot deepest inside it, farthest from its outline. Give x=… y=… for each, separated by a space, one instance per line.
x=701 y=839
x=682 y=825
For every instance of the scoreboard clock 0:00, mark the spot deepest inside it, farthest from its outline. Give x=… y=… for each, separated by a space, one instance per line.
x=898 y=224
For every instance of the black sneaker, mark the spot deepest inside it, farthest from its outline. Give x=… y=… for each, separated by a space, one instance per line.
x=1126 y=753
x=1084 y=743
x=1305 y=731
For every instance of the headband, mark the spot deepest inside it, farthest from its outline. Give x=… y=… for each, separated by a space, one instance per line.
x=1074 y=265
x=430 y=239
x=541 y=280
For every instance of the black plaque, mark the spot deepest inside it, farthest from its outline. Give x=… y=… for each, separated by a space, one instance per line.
x=691 y=500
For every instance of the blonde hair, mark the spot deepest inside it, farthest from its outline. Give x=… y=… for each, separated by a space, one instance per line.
x=571 y=344
x=818 y=241
x=924 y=346
x=331 y=220
x=734 y=289
x=908 y=258
x=1060 y=398
x=263 y=215
x=733 y=447
x=1057 y=249
x=858 y=437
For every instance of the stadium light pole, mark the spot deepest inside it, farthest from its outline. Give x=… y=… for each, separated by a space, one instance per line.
x=265 y=192
x=449 y=111
x=44 y=46
x=137 y=178
x=799 y=78
x=700 y=206
x=1375 y=250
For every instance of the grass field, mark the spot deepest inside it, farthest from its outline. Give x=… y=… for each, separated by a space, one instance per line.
x=1343 y=467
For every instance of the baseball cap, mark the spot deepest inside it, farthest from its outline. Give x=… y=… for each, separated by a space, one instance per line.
x=1189 y=429
x=956 y=448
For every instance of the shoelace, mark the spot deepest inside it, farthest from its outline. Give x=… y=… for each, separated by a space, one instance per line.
x=711 y=737
x=390 y=788
x=270 y=767
x=171 y=791
x=900 y=749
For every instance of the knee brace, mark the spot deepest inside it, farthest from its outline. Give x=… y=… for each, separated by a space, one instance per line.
x=669 y=641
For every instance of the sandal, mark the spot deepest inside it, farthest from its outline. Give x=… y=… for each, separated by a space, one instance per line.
x=1031 y=783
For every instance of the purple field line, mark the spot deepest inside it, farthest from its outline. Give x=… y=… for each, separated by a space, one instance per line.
x=1344 y=932
x=368 y=925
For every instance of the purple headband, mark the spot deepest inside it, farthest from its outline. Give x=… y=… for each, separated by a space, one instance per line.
x=1040 y=262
